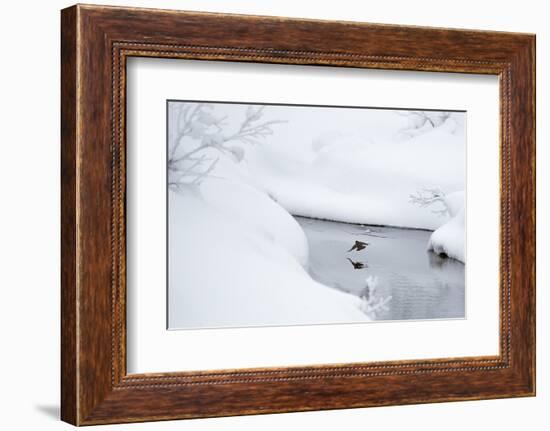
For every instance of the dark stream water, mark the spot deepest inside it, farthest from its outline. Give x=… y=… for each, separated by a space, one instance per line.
x=394 y=275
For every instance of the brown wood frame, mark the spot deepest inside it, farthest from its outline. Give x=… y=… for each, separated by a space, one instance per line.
x=95 y=43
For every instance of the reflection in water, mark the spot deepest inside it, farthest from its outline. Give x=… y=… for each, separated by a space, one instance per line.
x=357 y=265
x=391 y=271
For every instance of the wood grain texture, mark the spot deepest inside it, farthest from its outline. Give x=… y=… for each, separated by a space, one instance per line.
x=68 y=218
x=96 y=41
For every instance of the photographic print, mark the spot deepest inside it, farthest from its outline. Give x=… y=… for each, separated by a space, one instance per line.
x=298 y=215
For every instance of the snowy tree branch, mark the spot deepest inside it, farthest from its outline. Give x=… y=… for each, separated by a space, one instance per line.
x=429 y=196
x=418 y=120
x=196 y=122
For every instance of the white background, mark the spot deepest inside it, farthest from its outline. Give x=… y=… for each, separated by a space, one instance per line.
x=152 y=349
x=29 y=217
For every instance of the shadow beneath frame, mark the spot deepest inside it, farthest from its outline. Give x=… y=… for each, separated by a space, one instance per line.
x=52 y=411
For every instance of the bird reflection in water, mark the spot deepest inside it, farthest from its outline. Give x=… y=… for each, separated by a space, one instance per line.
x=357 y=265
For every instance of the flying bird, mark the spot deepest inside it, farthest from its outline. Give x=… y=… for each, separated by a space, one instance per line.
x=357 y=265
x=359 y=245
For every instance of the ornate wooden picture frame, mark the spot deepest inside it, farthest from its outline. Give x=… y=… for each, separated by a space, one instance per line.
x=96 y=41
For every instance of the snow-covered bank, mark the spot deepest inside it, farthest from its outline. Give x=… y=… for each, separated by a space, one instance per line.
x=351 y=165
x=359 y=180
x=450 y=238
x=236 y=260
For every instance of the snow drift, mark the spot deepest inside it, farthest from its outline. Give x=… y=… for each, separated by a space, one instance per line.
x=237 y=257
x=355 y=179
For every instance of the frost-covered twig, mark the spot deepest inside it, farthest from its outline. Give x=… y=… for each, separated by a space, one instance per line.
x=430 y=196
x=250 y=131
x=186 y=117
x=207 y=171
x=418 y=120
x=198 y=123
x=372 y=303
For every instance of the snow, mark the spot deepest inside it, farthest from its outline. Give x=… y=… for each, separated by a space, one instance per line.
x=353 y=179
x=236 y=260
x=449 y=239
x=357 y=166
x=237 y=256
x=252 y=211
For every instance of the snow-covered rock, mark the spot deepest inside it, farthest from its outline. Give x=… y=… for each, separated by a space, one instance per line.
x=449 y=239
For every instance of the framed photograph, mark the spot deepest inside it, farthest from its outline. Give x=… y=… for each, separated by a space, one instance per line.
x=264 y=214
x=292 y=214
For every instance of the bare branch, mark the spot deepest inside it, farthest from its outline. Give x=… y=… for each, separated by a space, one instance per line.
x=428 y=197
x=199 y=177
x=196 y=123
x=419 y=119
